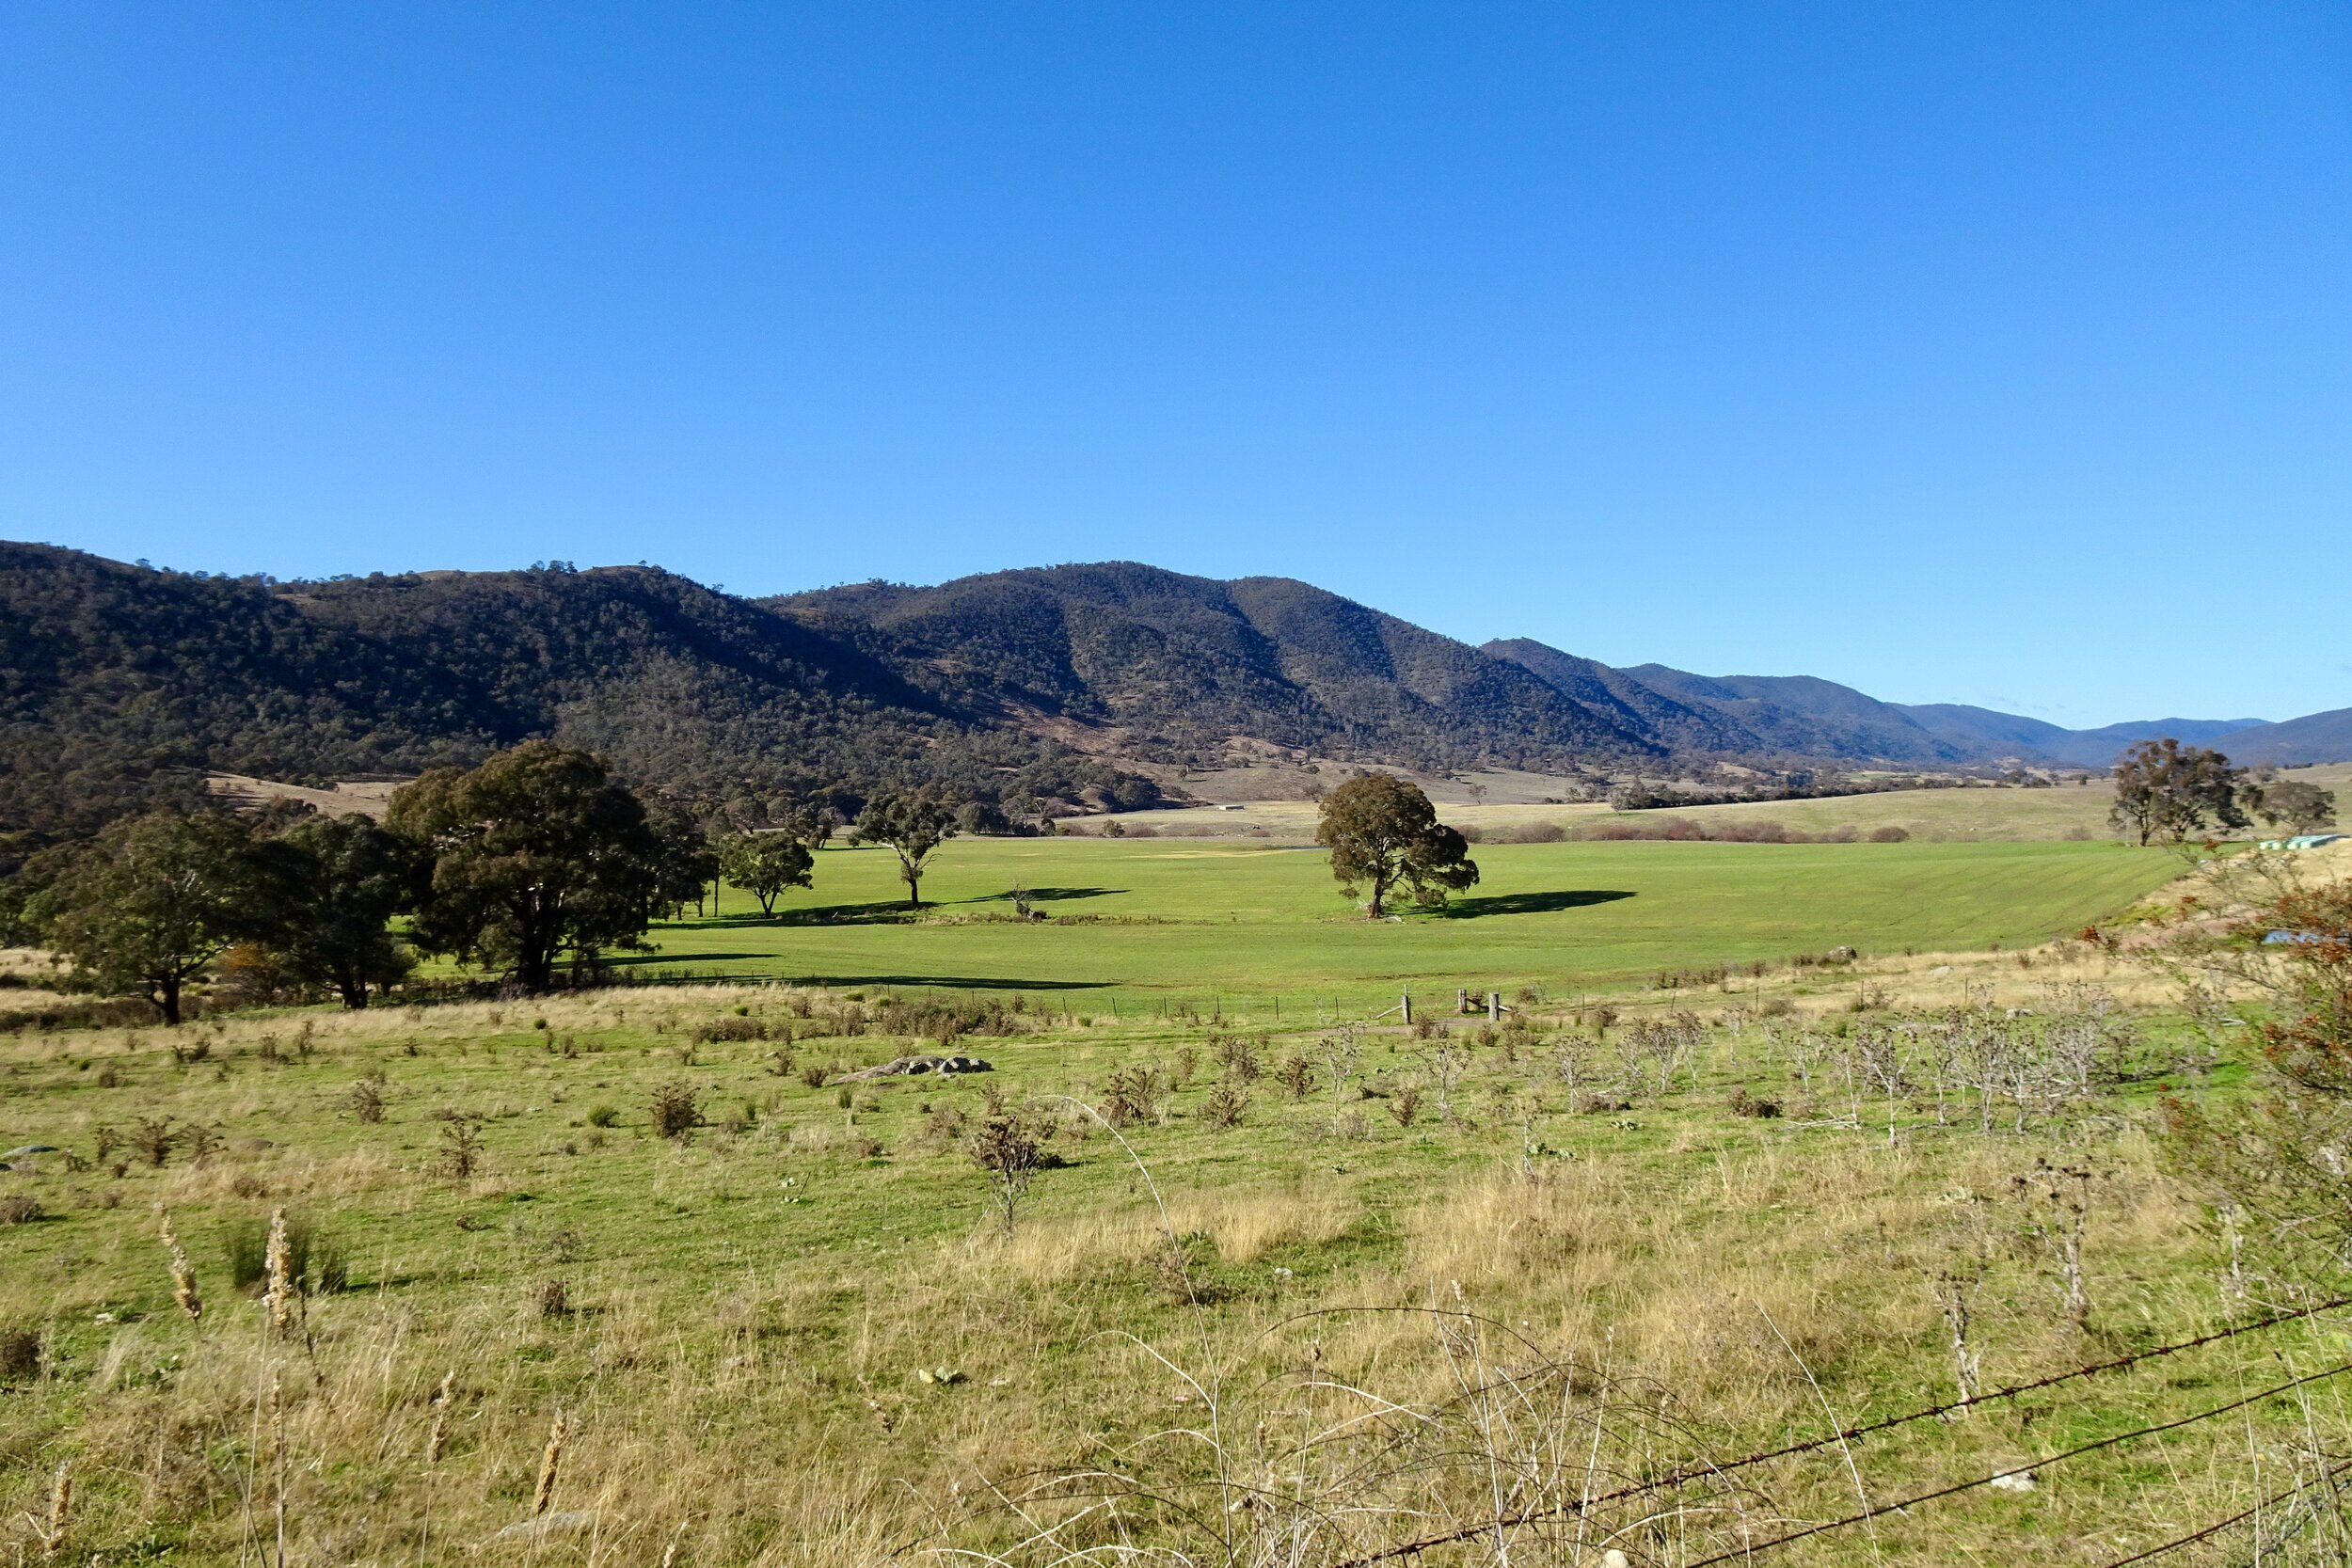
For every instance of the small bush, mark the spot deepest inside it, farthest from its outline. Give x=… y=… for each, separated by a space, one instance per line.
x=1239 y=1061
x=603 y=1115
x=20 y=1353
x=815 y=1074
x=551 y=1298
x=19 y=1208
x=1298 y=1077
x=1225 y=1106
x=730 y=1029
x=366 y=1100
x=675 y=1110
x=314 y=1260
x=154 y=1138
x=1893 y=834
x=1745 y=1105
x=1405 y=1105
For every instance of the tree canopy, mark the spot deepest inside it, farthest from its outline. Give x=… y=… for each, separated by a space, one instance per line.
x=148 y=902
x=330 y=886
x=912 y=824
x=765 y=863
x=536 y=854
x=2166 y=789
x=1383 y=834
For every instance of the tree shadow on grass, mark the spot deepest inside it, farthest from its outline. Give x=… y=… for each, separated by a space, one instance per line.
x=949 y=982
x=1049 y=894
x=1530 y=903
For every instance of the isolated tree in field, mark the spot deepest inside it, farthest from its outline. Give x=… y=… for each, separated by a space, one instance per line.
x=765 y=863
x=329 y=887
x=688 y=863
x=913 y=825
x=1384 y=835
x=534 y=854
x=2292 y=805
x=2166 y=789
x=144 y=907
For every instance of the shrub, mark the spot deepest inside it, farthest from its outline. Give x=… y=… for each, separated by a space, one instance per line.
x=313 y=1259
x=675 y=1110
x=461 y=1145
x=154 y=1138
x=1298 y=1077
x=1225 y=1106
x=1134 y=1094
x=1405 y=1105
x=603 y=1115
x=730 y=1029
x=1239 y=1061
x=366 y=1100
x=551 y=1298
x=1008 y=1151
x=19 y=1208
x=1894 y=835
x=815 y=1074
x=20 y=1353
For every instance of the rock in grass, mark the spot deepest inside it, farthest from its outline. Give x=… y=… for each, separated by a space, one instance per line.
x=560 y=1522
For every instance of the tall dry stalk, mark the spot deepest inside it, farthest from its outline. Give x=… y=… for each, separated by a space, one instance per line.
x=548 y=1462
x=182 y=1273
x=436 y=1439
x=60 y=1513
x=277 y=1462
x=279 y=1296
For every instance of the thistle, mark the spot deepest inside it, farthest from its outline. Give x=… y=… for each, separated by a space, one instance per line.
x=547 y=1463
x=182 y=1275
x=279 y=1296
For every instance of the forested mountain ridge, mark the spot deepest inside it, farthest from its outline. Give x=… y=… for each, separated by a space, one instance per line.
x=120 y=684
x=1181 y=664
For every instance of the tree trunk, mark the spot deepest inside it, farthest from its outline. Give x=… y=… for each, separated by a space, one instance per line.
x=167 y=1000
x=354 y=990
x=912 y=877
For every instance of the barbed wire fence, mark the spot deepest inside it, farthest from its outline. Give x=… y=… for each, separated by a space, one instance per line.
x=1254 y=1513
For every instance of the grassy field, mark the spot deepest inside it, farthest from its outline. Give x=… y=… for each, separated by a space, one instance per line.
x=1139 y=921
x=800 y=1336
x=1958 y=815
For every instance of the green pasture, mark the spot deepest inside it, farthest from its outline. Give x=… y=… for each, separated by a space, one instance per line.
x=1192 y=919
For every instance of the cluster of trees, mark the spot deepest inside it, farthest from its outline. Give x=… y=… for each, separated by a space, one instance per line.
x=2166 y=790
x=533 y=859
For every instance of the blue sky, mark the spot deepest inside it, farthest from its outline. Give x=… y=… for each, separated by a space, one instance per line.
x=1967 y=353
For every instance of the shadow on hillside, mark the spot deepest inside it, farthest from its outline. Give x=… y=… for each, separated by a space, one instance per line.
x=1530 y=903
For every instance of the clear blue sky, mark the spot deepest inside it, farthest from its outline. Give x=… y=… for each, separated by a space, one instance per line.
x=1980 y=352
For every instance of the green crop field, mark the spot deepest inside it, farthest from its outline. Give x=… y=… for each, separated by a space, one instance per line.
x=1140 y=919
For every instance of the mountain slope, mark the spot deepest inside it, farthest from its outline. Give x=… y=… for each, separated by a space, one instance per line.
x=118 y=684
x=1678 y=726
x=2314 y=738
x=1177 y=665
x=1803 y=716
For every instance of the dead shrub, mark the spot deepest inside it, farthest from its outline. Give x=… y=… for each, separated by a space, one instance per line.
x=20 y=1353
x=19 y=1208
x=1225 y=1106
x=675 y=1110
